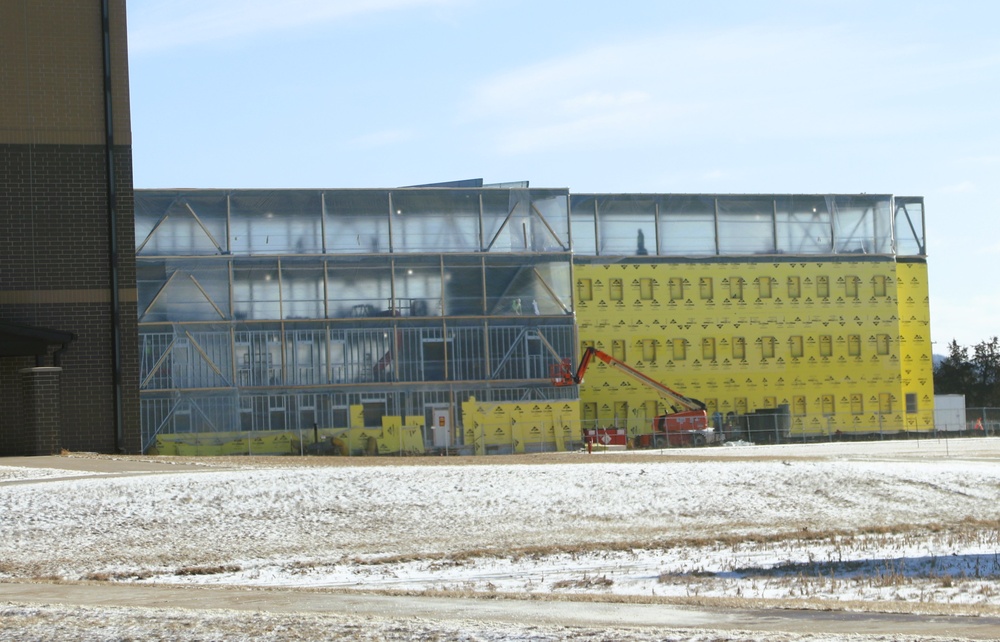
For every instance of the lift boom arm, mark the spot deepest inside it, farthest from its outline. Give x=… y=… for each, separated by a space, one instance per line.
x=590 y=353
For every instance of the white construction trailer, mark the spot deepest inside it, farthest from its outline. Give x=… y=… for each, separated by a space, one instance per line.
x=949 y=413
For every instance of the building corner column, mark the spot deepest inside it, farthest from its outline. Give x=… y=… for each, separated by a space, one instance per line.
x=41 y=411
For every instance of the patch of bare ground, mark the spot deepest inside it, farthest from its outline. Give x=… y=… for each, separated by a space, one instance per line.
x=969 y=529
x=805 y=604
x=740 y=603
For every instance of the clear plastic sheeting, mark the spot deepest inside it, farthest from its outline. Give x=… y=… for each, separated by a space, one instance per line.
x=862 y=224
x=182 y=290
x=181 y=223
x=299 y=288
x=277 y=310
x=221 y=377
x=738 y=225
x=402 y=221
x=803 y=225
x=628 y=226
x=746 y=225
x=440 y=221
x=253 y=411
x=275 y=222
x=316 y=354
x=909 y=226
x=356 y=221
x=525 y=221
x=687 y=226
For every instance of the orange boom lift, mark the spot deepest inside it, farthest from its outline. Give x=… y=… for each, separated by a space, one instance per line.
x=687 y=425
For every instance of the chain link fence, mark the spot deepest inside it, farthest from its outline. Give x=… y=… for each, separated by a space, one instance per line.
x=556 y=435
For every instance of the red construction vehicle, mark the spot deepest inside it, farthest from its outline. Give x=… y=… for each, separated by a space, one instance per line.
x=686 y=426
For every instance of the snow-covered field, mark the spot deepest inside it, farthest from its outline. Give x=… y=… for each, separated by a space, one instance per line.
x=895 y=525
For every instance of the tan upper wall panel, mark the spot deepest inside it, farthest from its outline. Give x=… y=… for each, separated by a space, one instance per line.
x=52 y=72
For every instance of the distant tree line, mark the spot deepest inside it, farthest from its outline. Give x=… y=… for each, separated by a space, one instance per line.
x=976 y=376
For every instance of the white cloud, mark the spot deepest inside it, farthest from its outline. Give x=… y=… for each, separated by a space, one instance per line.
x=739 y=84
x=164 y=24
x=959 y=188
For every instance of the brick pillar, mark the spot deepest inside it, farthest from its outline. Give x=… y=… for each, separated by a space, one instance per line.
x=40 y=411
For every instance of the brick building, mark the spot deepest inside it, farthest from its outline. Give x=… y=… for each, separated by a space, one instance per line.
x=68 y=355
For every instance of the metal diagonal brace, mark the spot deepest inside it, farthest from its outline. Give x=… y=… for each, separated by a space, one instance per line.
x=541 y=217
x=550 y=291
x=204 y=229
x=159 y=362
x=204 y=356
x=503 y=225
x=222 y=315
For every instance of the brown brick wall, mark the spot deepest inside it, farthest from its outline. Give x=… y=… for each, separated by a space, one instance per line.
x=12 y=433
x=55 y=256
x=52 y=73
x=40 y=392
x=55 y=273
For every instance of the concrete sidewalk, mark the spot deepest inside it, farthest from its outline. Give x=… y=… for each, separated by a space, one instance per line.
x=108 y=465
x=588 y=615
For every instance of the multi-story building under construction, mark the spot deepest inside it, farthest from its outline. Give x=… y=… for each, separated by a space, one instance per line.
x=404 y=320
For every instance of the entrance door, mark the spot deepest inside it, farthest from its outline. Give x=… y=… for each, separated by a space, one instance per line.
x=441 y=425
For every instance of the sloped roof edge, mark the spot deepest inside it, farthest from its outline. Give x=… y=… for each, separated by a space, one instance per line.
x=19 y=340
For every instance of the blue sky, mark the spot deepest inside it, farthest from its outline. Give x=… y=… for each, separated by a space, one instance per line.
x=770 y=96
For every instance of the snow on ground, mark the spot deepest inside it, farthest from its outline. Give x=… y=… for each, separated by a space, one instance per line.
x=892 y=522
x=20 y=473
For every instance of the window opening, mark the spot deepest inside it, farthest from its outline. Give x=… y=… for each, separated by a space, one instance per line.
x=676 y=288
x=878 y=284
x=851 y=287
x=616 y=292
x=795 y=346
x=736 y=288
x=794 y=287
x=854 y=345
x=646 y=289
x=823 y=287
x=767 y=347
x=705 y=287
x=680 y=349
x=618 y=349
x=708 y=348
x=764 y=287
x=825 y=345
x=739 y=348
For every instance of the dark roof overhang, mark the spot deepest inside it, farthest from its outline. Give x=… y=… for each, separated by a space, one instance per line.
x=18 y=340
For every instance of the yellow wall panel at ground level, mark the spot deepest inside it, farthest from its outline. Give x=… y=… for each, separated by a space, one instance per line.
x=532 y=426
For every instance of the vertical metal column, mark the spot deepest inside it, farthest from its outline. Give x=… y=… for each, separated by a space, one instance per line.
x=774 y=224
x=322 y=221
x=597 y=230
x=656 y=225
x=718 y=245
x=112 y=196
